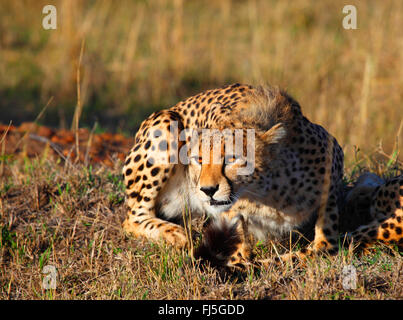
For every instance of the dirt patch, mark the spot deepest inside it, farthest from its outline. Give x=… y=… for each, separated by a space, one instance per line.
x=32 y=140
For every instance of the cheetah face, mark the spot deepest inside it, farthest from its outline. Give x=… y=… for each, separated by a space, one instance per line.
x=217 y=185
x=223 y=172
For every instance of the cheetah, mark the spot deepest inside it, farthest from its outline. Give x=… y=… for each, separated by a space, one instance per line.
x=296 y=177
x=375 y=209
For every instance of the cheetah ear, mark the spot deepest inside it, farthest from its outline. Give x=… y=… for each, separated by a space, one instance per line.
x=275 y=134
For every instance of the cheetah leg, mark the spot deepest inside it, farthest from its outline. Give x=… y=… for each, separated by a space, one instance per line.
x=326 y=234
x=300 y=256
x=327 y=228
x=387 y=225
x=241 y=256
x=387 y=232
x=327 y=223
x=146 y=171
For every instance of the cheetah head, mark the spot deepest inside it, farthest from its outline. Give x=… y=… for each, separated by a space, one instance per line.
x=222 y=174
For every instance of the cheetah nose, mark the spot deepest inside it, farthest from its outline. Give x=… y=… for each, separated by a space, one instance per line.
x=209 y=190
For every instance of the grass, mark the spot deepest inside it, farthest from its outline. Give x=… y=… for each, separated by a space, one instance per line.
x=69 y=216
x=140 y=56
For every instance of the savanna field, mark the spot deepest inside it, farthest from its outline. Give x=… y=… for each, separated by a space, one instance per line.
x=71 y=100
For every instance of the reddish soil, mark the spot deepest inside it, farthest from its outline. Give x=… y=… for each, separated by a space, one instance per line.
x=32 y=140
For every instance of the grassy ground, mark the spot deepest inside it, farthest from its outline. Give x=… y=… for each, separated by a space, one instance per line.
x=69 y=216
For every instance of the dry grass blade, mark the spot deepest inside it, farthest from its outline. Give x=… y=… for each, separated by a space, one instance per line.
x=54 y=146
x=5 y=132
x=89 y=144
x=35 y=121
x=78 y=110
x=3 y=148
x=187 y=224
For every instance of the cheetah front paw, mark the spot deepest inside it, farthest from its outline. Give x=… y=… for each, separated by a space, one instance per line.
x=240 y=259
x=156 y=229
x=224 y=245
x=175 y=235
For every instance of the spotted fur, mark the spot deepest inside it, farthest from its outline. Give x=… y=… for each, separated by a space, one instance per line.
x=380 y=204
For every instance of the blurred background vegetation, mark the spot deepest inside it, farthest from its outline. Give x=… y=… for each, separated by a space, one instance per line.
x=140 y=56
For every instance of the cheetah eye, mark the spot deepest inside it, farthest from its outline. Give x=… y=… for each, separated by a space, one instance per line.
x=232 y=159
x=196 y=160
